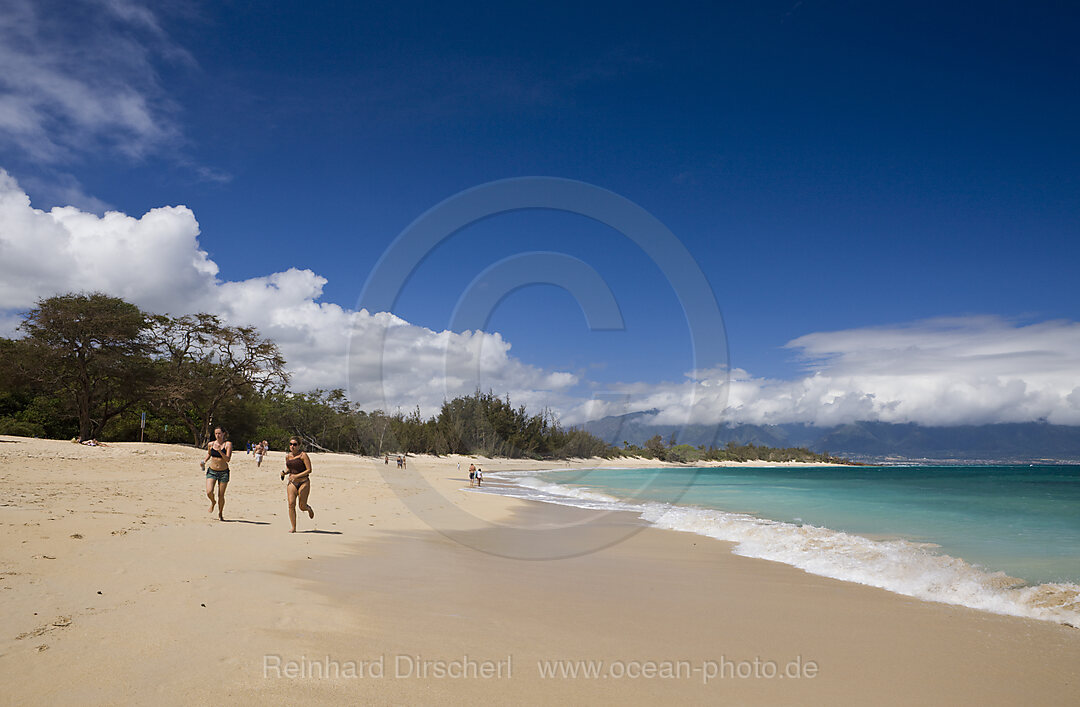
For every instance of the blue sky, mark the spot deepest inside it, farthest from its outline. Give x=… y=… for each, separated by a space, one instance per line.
x=878 y=172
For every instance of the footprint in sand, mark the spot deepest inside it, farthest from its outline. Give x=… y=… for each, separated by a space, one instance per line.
x=60 y=622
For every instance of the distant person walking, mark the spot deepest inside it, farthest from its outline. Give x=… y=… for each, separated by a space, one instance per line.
x=479 y=476
x=298 y=467
x=472 y=474
x=218 y=454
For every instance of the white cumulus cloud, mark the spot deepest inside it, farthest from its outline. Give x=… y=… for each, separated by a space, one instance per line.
x=155 y=262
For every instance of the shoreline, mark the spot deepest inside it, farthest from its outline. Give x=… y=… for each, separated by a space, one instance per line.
x=155 y=600
x=894 y=561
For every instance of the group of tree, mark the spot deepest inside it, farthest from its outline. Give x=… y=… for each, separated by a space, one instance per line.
x=87 y=363
x=90 y=366
x=656 y=448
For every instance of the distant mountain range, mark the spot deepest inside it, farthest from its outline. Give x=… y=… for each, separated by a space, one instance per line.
x=1025 y=442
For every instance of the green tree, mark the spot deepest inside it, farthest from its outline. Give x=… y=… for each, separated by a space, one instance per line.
x=321 y=418
x=201 y=363
x=93 y=351
x=654 y=447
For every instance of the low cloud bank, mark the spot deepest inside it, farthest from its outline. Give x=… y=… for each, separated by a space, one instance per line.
x=947 y=371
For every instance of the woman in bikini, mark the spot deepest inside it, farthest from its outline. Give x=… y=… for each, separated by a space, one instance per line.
x=219 y=454
x=298 y=467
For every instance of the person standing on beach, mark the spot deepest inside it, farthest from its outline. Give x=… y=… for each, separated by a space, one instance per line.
x=479 y=476
x=472 y=474
x=298 y=467
x=260 y=450
x=219 y=454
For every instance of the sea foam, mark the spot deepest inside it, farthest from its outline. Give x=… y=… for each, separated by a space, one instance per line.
x=900 y=566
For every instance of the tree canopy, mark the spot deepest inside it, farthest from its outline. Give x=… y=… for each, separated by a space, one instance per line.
x=90 y=348
x=91 y=358
x=200 y=363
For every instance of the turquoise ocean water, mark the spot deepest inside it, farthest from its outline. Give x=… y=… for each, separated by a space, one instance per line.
x=999 y=538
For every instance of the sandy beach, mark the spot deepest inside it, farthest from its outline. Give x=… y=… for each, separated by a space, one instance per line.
x=119 y=587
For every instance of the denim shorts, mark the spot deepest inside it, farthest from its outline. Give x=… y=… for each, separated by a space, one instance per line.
x=219 y=476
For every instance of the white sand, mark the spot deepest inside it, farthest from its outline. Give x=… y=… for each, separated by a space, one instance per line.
x=118 y=586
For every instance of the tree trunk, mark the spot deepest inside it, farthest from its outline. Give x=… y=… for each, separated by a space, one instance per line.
x=83 y=404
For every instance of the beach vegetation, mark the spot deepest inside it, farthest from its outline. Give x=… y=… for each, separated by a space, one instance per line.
x=88 y=364
x=201 y=363
x=89 y=350
x=654 y=448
